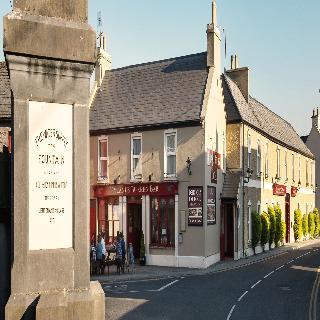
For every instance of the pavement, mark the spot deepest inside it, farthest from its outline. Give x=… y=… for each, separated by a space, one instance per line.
x=156 y=272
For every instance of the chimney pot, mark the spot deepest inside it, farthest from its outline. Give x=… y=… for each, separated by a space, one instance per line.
x=236 y=62
x=232 y=62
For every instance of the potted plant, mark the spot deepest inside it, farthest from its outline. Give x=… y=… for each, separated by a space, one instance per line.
x=142 y=251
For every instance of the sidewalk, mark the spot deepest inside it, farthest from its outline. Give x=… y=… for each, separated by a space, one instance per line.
x=155 y=272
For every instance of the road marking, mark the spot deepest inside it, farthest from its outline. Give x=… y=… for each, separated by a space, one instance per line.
x=134 y=291
x=290 y=261
x=280 y=267
x=255 y=284
x=230 y=313
x=164 y=287
x=269 y=274
x=242 y=296
x=313 y=297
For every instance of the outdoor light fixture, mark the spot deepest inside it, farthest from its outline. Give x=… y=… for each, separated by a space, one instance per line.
x=315 y=188
x=299 y=185
x=249 y=173
x=277 y=178
x=115 y=181
x=189 y=166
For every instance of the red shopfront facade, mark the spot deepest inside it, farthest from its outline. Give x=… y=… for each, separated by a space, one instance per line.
x=119 y=206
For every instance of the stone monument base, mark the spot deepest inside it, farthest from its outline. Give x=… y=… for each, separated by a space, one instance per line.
x=77 y=304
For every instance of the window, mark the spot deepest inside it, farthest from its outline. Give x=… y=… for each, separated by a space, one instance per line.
x=170 y=149
x=162 y=218
x=286 y=165
x=112 y=220
x=278 y=162
x=249 y=221
x=293 y=168
x=307 y=172
x=103 y=158
x=299 y=169
x=266 y=163
x=311 y=172
x=249 y=150
x=136 y=149
x=258 y=159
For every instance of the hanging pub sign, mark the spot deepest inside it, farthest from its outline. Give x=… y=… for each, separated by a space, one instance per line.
x=279 y=189
x=294 y=191
x=214 y=160
x=195 y=206
x=211 y=205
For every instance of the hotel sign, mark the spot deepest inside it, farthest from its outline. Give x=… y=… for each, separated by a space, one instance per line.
x=279 y=190
x=50 y=175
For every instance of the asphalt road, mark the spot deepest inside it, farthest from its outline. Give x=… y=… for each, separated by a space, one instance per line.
x=285 y=287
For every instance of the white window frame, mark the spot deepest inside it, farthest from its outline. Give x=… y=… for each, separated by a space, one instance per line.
x=278 y=162
x=249 y=221
x=100 y=178
x=300 y=169
x=293 y=164
x=136 y=135
x=266 y=163
x=307 y=172
x=259 y=169
x=249 y=150
x=286 y=164
x=166 y=154
x=311 y=172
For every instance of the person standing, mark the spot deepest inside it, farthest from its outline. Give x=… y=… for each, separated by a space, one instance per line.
x=99 y=254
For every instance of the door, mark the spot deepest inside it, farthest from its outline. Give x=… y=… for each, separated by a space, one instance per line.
x=222 y=244
x=287 y=217
x=227 y=231
x=134 y=227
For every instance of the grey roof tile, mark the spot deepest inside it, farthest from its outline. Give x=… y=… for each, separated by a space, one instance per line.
x=5 y=93
x=155 y=93
x=257 y=115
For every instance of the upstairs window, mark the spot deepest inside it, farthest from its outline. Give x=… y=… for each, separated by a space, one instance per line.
x=266 y=163
x=259 y=159
x=293 y=177
x=170 y=154
x=249 y=150
x=299 y=169
x=103 y=159
x=307 y=172
x=278 y=162
x=286 y=165
x=136 y=150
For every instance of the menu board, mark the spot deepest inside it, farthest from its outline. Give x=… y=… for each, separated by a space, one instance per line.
x=195 y=206
x=211 y=205
x=50 y=175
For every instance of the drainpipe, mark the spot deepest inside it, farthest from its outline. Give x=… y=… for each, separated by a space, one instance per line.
x=243 y=222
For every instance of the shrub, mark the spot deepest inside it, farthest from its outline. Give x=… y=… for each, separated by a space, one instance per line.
x=272 y=219
x=283 y=231
x=265 y=232
x=305 y=228
x=277 y=230
x=256 y=229
x=316 y=222
x=297 y=225
x=311 y=224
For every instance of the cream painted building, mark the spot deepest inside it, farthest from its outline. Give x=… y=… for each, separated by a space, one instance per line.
x=267 y=164
x=157 y=156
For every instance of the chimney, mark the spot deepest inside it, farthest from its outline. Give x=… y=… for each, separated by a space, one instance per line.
x=240 y=76
x=213 y=39
x=315 y=118
x=104 y=61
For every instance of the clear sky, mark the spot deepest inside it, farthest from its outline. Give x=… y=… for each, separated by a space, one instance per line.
x=277 y=40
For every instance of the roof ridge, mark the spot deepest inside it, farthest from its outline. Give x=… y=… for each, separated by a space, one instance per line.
x=157 y=61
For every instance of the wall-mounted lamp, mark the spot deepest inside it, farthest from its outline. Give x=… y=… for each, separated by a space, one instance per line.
x=299 y=185
x=249 y=173
x=117 y=179
x=119 y=154
x=189 y=166
x=150 y=177
x=277 y=178
x=315 y=188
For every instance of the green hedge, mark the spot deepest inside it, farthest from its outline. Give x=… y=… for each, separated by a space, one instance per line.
x=297 y=225
x=283 y=231
x=311 y=224
x=278 y=226
x=316 y=222
x=305 y=225
x=256 y=230
x=265 y=233
x=272 y=220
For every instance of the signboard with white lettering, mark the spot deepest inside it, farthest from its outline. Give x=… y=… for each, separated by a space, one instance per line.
x=50 y=175
x=195 y=206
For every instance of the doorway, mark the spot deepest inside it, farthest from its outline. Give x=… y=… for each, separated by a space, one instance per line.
x=227 y=231
x=134 y=224
x=287 y=212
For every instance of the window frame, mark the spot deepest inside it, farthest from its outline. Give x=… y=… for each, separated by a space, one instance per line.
x=134 y=136
x=259 y=167
x=167 y=133
x=293 y=167
x=249 y=142
x=266 y=163
x=286 y=164
x=278 y=162
x=100 y=177
x=300 y=169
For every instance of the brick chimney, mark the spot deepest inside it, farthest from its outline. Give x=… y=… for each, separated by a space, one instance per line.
x=213 y=40
x=104 y=61
x=240 y=76
x=315 y=118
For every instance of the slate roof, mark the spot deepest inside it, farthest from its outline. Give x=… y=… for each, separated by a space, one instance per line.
x=231 y=184
x=150 y=94
x=258 y=116
x=5 y=93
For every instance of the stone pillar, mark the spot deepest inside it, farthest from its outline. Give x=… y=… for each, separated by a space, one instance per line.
x=50 y=50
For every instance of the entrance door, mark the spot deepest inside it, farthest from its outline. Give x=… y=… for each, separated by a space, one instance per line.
x=227 y=231
x=134 y=227
x=288 y=218
x=93 y=220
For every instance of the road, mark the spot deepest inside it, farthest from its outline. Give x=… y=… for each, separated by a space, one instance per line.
x=284 y=287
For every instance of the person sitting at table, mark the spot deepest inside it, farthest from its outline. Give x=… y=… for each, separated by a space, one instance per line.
x=99 y=254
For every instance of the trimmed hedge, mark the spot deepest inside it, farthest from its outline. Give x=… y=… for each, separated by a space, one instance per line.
x=305 y=228
x=316 y=222
x=256 y=230
x=272 y=220
x=278 y=226
x=283 y=231
x=311 y=224
x=297 y=225
x=265 y=233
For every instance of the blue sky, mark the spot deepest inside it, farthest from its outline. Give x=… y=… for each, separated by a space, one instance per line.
x=277 y=40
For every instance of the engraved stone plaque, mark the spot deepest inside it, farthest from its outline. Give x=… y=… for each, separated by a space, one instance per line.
x=50 y=175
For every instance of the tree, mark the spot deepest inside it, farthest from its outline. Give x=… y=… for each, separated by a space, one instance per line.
x=265 y=232
x=277 y=231
x=297 y=225
x=272 y=219
x=316 y=222
x=311 y=224
x=256 y=230
x=305 y=224
x=283 y=231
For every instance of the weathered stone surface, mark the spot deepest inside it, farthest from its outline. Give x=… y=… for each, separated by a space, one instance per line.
x=56 y=39
x=76 y=10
